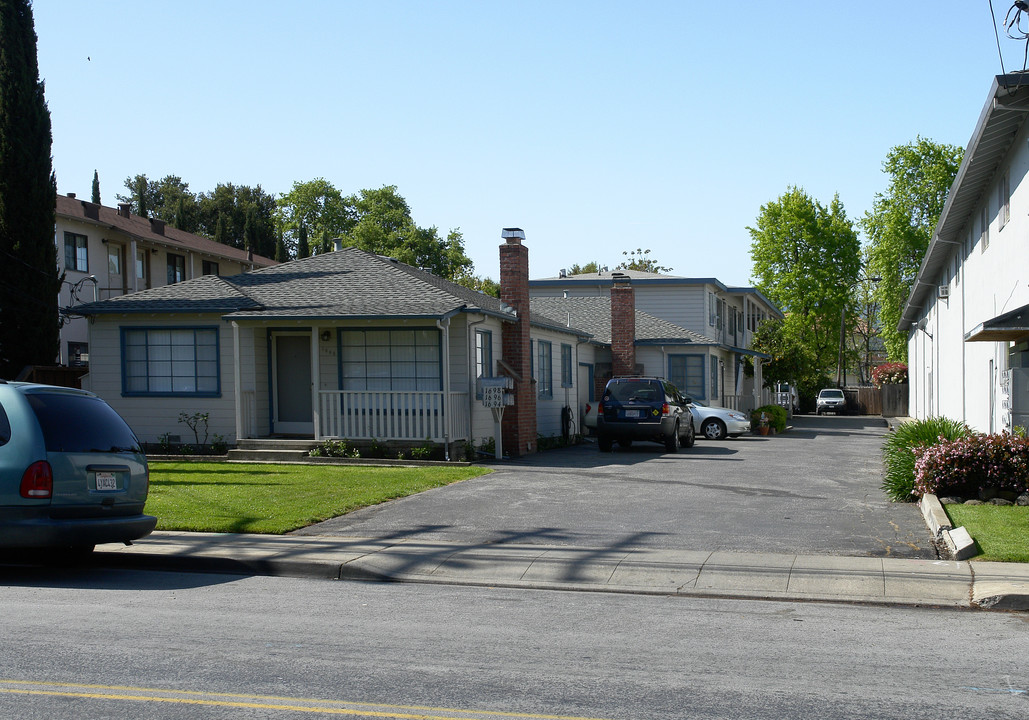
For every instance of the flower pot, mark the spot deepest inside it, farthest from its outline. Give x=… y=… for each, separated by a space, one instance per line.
x=762 y=430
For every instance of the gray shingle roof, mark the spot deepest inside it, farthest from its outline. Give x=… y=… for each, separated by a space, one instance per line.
x=349 y=283
x=593 y=314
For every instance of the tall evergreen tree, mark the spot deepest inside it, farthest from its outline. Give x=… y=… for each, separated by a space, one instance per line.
x=280 y=248
x=29 y=281
x=96 y=188
x=303 y=249
x=141 y=192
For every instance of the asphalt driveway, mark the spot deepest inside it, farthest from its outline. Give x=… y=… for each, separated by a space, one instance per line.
x=813 y=490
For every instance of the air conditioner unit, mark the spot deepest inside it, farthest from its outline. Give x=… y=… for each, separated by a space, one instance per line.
x=944 y=291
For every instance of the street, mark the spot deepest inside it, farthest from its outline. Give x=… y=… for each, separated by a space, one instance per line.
x=94 y=643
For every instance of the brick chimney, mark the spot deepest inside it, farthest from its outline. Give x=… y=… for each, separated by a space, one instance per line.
x=623 y=326
x=157 y=226
x=123 y=209
x=519 y=426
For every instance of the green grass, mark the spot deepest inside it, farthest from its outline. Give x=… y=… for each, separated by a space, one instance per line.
x=258 y=498
x=1001 y=532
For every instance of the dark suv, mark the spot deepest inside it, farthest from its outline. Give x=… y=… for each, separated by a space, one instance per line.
x=643 y=408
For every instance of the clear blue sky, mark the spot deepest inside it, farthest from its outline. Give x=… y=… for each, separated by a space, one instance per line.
x=596 y=126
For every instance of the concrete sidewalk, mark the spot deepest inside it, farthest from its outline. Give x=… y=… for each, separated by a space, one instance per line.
x=889 y=581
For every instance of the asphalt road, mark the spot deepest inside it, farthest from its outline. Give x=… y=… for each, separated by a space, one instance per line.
x=813 y=490
x=96 y=644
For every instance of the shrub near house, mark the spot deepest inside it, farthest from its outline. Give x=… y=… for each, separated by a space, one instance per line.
x=969 y=465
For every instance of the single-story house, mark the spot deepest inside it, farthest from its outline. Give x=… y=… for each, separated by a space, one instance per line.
x=345 y=344
x=967 y=317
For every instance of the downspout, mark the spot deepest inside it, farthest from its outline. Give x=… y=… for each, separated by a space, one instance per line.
x=444 y=327
x=237 y=382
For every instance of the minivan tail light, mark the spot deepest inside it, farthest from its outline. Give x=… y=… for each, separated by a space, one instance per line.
x=665 y=410
x=38 y=481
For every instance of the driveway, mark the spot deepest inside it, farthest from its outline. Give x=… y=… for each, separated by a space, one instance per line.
x=813 y=490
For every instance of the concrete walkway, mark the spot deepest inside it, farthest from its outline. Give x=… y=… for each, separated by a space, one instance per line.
x=890 y=581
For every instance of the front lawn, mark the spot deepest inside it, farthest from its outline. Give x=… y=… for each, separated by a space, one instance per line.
x=1001 y=532
x=258 y=498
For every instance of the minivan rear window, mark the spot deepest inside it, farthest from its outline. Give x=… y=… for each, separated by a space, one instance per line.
x=80 y=423
x=5 y=427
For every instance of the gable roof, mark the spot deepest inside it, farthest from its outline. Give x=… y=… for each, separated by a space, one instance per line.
x=157 y=233
x=999 y=122
x=593 y=314
x=346 y=284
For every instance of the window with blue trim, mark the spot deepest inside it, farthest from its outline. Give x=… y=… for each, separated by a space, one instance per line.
x=546 y=369
x=391 y=360
x=686 y=372
x=566 y=365
x=170 y=361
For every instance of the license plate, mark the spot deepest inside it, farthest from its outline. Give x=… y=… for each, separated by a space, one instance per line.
x=633 y=413
x=106 y=481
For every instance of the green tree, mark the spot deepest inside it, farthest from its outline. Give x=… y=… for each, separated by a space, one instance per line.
x=29 y=281
x=901 y=223
x=319 y=206
x=590 y=267
x=639 y=259
x=95 y=197
x=303 y=248
x=383 y=225
x=281 y=255
x=806 y=260
x=229 y=204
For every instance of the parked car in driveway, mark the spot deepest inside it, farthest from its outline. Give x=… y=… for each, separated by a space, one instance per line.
x=830 y=400
x=641 y=408
x=718 y=423
x=72 y=473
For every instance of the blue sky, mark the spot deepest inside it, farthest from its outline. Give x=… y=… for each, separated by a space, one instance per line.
x=597 y=127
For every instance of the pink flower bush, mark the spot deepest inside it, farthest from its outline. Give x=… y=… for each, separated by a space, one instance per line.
x=968 y=464
x=890 y=374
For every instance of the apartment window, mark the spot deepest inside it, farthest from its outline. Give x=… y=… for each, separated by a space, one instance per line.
x=170 y=361
x=143 y=268
x=391 y=360
x=546 y=369
x=78 y=354
x=1004 y=201
x=483 y=356
x=76 y=256
x=210 y=268
x=176 y=268
x=113 y=260
x=566 y=366
x=984 y=230
x=714 y=379
x=712 y=311
x=686 y=372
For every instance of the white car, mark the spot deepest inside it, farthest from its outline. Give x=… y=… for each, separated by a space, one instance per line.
x=718 y=423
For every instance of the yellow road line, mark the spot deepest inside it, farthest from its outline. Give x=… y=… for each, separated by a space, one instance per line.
x=265 y=702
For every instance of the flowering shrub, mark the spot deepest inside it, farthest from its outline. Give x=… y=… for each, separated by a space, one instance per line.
x=904 y=445
x=890 y=374
x=968 y=464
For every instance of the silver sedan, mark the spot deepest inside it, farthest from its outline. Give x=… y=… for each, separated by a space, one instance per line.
x=718 y=423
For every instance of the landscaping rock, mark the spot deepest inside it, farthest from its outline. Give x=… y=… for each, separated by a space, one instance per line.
x=974 y=502
x=1000 y=501
x=951 y=500
x=988 y=493
x=1023 y=500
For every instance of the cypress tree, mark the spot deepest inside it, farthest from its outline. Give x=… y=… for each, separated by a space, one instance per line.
x=280 y=248
x=303 y=249
x=96 y=188
x=29 y=281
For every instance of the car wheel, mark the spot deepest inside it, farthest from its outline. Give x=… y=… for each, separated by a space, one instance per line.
x=691 y=436
x=672 y=441
x=604 y=443
x=713 y=429
x=625 y=443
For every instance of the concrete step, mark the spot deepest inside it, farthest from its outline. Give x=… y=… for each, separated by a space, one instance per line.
x=276 y=444
x=283 y=455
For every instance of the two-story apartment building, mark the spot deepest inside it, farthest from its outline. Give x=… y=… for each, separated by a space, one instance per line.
x=106 y=252
x=725 y=316
x=967 y=318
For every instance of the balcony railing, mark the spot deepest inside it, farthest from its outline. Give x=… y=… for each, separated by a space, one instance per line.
x=413 y=416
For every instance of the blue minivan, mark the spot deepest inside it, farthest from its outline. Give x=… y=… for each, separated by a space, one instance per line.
x=72 y=473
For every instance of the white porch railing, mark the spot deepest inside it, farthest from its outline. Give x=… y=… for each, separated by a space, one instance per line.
x=368 y=415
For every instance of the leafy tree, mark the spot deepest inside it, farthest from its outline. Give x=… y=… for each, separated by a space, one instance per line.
x=481 y=284
x=95 y=197
x=590 y=267
x=29 y=281
x=229 y=204
x=901 y=223
x=639 y=259
x=806 y=260
x=167 y=199
x=383 y=225
x=319 y=206
x=250 y=230
x=303 y=248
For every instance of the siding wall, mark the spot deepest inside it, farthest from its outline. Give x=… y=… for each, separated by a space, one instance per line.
x=958 y=379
